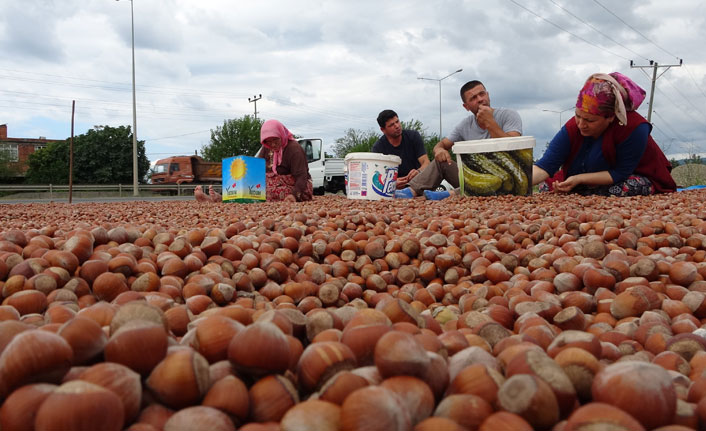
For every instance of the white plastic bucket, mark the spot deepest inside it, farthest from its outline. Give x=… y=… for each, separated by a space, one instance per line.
x=498 y=166
x=371 y=176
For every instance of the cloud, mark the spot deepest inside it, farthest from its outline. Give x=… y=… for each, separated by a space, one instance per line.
x=30 y=31
x=323 y=67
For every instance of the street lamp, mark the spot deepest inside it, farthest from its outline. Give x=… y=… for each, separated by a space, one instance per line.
x=558 y=112
x=439 y=80
x=135 y=190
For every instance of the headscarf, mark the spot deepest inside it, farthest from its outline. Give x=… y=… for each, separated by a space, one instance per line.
x=610 y=94
x=275 y=129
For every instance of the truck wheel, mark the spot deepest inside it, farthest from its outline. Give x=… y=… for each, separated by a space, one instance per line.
x=336 y=185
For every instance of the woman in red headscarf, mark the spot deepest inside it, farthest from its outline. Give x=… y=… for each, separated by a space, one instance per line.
x=287 y=171
x=606 y=148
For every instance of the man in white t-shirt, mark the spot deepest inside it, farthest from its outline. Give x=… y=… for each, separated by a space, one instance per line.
x=485 y=123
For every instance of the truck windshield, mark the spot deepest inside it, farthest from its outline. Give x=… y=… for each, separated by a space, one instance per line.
x=162 y=168
x=312 y=149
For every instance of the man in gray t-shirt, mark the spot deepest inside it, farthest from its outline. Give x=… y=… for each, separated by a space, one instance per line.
x=485 y=123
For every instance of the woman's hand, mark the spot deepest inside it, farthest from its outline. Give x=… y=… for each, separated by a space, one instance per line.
x=301 y=196
x=601 y=178
x=568 y=184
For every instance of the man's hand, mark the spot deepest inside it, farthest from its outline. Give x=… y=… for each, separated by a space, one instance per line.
x=411 y=174
x=484 y=117
x=290 y=198
x=442 y=155
x=402 y=181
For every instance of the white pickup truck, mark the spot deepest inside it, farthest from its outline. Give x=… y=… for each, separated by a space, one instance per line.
x=327 y=174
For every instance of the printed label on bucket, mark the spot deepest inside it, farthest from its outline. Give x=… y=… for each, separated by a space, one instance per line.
x=370 y=180
x=385 y=183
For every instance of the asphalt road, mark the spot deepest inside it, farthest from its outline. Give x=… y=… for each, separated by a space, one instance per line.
x=97 y=199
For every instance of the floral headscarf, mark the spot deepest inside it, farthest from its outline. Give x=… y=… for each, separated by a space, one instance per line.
x=275 y=129
x=610 y=94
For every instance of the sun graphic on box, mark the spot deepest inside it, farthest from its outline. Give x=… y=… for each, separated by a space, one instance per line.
x=238 y=169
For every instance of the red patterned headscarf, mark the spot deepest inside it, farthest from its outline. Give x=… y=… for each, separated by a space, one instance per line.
x=275 y=129
x=610 y=94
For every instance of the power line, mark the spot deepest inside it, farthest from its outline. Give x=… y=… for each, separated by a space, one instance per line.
x=634 y=29
x=684 y=111
x=694 y=81
x=567 y=31
x=696 y=108
x=314 y=110
x=180 y=90
x=143 y=106
x=179 y=136
x=144 y=89
x=614 y=41
x=660 y=142
x=654 y=65
x=596 y=29
x=666 y=123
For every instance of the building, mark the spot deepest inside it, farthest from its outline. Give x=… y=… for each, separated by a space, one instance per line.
x=17 y=151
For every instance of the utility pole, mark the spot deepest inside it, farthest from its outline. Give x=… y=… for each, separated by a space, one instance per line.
x=439 y=81
x=654 y=66
x=71 y=152
x=254 y=99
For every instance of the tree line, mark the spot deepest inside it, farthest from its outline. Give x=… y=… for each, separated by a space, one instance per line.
x=103 y=155
x=241 y=136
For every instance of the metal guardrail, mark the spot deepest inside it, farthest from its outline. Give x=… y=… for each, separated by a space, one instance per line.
x=122 y=190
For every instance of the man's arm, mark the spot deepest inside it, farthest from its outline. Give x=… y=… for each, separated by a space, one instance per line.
x=441 y=150
x=423 y=161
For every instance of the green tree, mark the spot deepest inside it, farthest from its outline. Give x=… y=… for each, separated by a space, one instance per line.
x=429 y=140
x=103 y=155
x=695 y=159
x=238 y=137
x=356 y=140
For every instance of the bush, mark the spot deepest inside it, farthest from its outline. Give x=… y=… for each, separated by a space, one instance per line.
x=689 y=174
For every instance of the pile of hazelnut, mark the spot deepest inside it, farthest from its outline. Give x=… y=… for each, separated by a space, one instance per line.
x=547 y=312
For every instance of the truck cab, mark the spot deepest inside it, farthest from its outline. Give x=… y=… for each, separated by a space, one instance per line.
x=186 y=169
x=327 y=174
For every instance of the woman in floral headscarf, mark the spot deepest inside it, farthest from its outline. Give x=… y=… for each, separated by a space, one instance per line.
x=287 y=171
x=606 y=148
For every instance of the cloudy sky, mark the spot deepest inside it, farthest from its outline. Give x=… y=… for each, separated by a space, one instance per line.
x=323 y=67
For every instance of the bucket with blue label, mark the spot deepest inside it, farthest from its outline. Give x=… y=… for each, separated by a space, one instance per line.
x=371 y=176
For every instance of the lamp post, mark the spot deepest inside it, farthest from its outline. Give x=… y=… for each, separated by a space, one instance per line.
x=558 y=112
x=135 y=190
x=439 y=80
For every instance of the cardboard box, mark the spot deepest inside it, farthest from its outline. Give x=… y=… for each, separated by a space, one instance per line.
x=243 y=179
x=493 y=167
